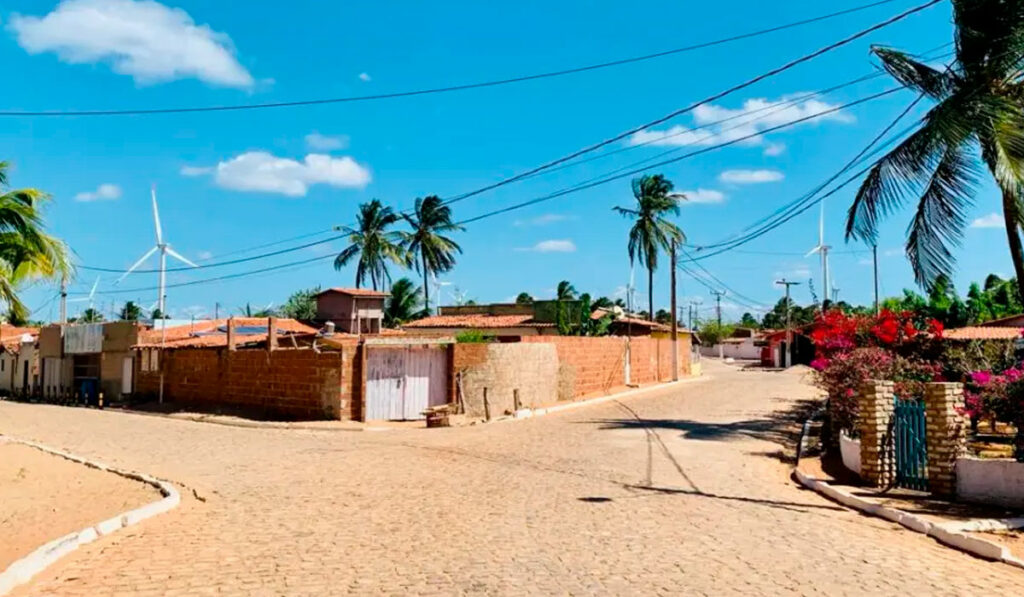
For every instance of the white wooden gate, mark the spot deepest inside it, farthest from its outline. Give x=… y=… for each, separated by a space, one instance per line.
x=402 y=381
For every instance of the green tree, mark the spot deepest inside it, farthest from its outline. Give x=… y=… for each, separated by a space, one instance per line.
x=711 y=333
x=27 y=252
x=652 y=232
x=403 y=305
x=90 y=315
x=374 y=245
x=430 y=221
x=158 y=314
x=130 y=312
x=776 y=318
x=748 y=321
x=602 y=302
x=524 y=299
x=663 y=316
x=301 y=304
x=565 y=291
x=978 y=111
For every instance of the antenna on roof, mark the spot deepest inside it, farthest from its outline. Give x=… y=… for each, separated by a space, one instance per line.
x=164 y=249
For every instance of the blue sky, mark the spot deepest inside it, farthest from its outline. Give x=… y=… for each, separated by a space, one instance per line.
x=228 y=181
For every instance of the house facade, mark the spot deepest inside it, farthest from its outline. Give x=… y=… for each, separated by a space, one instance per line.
x=352 y=310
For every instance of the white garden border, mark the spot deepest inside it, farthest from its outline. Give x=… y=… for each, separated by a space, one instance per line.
x=21 y=571
x=953 y=534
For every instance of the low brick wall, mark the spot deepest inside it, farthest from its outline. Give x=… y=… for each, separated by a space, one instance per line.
x=501 y=371
x=590 y=366
x=285 y=383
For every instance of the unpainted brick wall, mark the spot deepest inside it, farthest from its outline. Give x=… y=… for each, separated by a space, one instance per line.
x=286 y=383
x=591 y=366
x=501 y=370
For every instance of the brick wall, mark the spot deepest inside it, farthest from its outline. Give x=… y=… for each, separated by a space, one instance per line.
x=503 y=370
x=591 y=366
x=286 y=383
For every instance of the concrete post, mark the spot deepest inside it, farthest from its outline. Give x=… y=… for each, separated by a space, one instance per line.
x=231 y=333
x=946 y=434
x=271 y=334
x=876 y=408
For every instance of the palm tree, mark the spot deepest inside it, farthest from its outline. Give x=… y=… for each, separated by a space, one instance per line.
x=404 y=303
x=652 y=232
x=524 y=298
x=90 y=315
x=978 y=113
x=26 y=251
x=565 y=291
x=436 y=252
x=374 y=245
x=130 y=311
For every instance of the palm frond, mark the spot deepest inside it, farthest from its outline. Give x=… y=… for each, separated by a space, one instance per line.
x=915 y=75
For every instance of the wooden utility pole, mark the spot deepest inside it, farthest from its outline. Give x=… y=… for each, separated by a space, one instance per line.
x=789 y=327
x=874 y=258
x=675 y=323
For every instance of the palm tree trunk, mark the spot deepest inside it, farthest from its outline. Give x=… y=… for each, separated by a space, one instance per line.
x=650 y=293
x=1012 y=220
x=426 y=283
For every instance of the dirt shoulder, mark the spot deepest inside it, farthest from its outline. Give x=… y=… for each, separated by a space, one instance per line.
x=43 y=497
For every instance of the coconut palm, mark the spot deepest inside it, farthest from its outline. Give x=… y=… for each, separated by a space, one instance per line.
x=90 y=315
x=131 y=311
x=374 y=245
x=26 y=251
x=404 y=303
x=430 y=220
x=524 y=298
x=565 y=291
x=977 y=119
x=652 y=232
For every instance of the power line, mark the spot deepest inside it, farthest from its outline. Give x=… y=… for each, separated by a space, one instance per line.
x=775 y=71
x=450 y=88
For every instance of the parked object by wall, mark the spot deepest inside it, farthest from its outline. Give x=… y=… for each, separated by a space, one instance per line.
x=500 y=378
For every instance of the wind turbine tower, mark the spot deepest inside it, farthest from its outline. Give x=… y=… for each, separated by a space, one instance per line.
x=822 y=249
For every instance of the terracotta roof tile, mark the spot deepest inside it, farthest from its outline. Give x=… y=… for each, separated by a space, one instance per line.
x=185 y=335
x=476 y=321
x=363 y=292
x=977 y=332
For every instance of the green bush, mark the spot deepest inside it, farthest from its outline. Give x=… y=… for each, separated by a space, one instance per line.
x=473 y=337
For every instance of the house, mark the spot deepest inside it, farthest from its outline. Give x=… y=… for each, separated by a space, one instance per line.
x=19 y=362
x=742 y=343
x=504 y=321
x=774 y=352
x=1012 y=321
x=352 y=310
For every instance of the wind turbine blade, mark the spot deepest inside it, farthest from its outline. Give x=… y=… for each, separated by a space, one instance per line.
x=179 y=257
x=156 y=217
x=821 y=226
x=813 y=251
x=94 y=285
x=148 y=254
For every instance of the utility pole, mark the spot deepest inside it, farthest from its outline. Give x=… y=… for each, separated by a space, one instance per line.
x=675 y=323
x=63 y=299
x=874 y=258
x=718 y=299
x=216 y=310
x=694 y=315
x=789 y=327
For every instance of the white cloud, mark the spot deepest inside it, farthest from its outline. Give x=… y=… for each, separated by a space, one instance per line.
x=196 y=170
x=750 y=176
x=752 y=118
x=144 y=39
x=104 y=192
x=703 y=196
x=204 y=255
x=260 y=171
x=364 y=77
x=992 y=220
x=774 y=149
x=318 y=142
x=894 y=252
x=551 y=246
x=543 y=220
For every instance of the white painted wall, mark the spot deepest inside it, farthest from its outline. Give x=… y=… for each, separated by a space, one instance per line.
x=850 y=451
x=744 y=350
x=990 y=480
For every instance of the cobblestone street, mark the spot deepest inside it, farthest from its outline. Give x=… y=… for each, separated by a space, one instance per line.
x=676 y=491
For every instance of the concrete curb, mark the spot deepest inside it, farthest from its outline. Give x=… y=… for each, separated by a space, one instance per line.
x=953 y=534
x=21 y=571
x=527 y=413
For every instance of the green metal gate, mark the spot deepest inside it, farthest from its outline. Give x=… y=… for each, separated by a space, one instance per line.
x=910 y=447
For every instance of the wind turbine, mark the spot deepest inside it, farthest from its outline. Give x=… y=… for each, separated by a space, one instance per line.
x=92 y=294
x=164 y=249
x=437 y=284
x=822 y=249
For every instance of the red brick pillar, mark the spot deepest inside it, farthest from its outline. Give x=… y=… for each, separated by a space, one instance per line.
x=876 y=405
x=945 y=437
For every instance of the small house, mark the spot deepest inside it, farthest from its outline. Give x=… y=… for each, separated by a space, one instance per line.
x=352 y=310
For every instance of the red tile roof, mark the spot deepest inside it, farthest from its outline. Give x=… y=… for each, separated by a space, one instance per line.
x=360 y=292
x=184 y=335
x=476 y=321
x=977 y=332
x=7 y=330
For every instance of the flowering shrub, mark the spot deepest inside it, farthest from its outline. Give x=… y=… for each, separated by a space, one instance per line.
x=995 y=395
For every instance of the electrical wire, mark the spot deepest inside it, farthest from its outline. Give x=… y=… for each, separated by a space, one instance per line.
x=446 y=89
